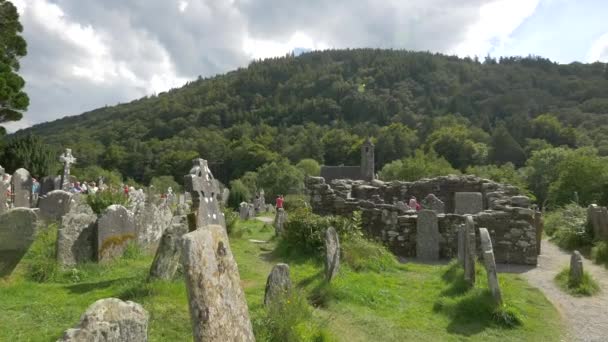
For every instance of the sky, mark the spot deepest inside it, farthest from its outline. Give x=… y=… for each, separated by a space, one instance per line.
x=85 y=54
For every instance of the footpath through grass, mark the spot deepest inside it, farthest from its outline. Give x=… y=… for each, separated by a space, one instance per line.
x=378 y=302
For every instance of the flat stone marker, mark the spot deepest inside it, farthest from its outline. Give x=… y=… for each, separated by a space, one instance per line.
x=490 y=264
x=115 y=229
x=22 y=188
x=468 y=203
x=332 y=253
x=110 y=320
x=470 y=251
x=17 y=232
x=427 y=236
x=278 y=284
x=218 y=309
x=76 y=237
x=576 y=267
x=204 y=191
x=431 y=202
x=166 y=260
x=54 y=205
x=279 y=221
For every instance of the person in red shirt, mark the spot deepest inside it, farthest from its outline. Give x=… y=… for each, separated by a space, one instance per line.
x=279 y=202
x=126 y=190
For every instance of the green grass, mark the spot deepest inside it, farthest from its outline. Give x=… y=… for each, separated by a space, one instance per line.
x=587 y=287
x=372 y=299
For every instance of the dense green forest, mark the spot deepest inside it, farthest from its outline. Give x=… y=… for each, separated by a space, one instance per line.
x=525 y=120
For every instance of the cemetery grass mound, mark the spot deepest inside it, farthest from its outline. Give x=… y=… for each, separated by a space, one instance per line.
x=587 y=287
x=375 y=300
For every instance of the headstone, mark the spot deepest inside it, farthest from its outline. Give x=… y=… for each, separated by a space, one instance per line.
x=150 y=222
x=17 y=232
x=110 y=320
x=218 y=309
x=427 y=236
x=67 y=159
x=115 y=229
x=251 y=208
x=461 y=244
x=470 y=251
x=576 y=268
x=166 y=260
x=54 y=205
x=431 y=202
x=76 y=236
x=468 y=203
x=490 y=264
x=244 y=211
x=4 y=187
x=332 y=253
x=279 y=221
x=47 y=185
x=225 y=195
x=204 y=189
x=597 y=217
x=22 y=189
x=539 y=225
x=278 y=284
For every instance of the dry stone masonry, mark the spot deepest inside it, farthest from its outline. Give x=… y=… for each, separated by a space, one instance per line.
x=18 y=230
x=499 y=207
x=278 y=284
x=431 y=202
x=115 y=229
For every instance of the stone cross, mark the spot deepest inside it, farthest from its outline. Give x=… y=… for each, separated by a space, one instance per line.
x=204 y=189
x=67 y=159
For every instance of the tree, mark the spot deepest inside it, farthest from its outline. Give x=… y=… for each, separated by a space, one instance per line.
x=395 y=142
x=162 y=183
x=456 y=145
x=582 y=178
x=309 y=167
x=504 y=149
x=12 y=47
x=505 y=173
x=30 y=153
x=238 y=193
x=280 y=178
x=419 y=166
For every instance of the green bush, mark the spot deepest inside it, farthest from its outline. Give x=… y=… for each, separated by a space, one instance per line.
x=587 y=287
x=238 y=193
x=232 y=219
x=162 y=183
x=567 y=227
x=103 y=199
x=40 y=260
x=599 y=253
x=293 y=202
x=361 y=254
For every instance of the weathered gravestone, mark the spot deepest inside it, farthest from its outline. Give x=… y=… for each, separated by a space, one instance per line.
x=279 y=221
x=576 y=268
x=115 y=229
x=150 y=222
x=54 y=205
x=76 y=236
x=225 y=196
x=278 y=284
x=110 y=320
x=468 y=203
x=332 y=253
x=17 y=232
x=427 y=236
x=490 y=264
x=4 y=187
x=470 y=251
x=431 y=202
x=461 y=243
x=204 y=189
x=244 y=211
x=218 y=309
x=597 y=217
x=47 y=185
x=67 y=159
x=166 y=260
x=22 y=188
x=252 y=212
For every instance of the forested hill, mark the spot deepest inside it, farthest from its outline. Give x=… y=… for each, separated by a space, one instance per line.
x=321 y=105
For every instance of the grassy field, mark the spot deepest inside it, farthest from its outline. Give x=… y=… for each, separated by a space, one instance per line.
x=378 y=302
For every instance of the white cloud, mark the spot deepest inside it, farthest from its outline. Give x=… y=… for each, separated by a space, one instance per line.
x=599 y=49
x=260 y=48
x=183 y=5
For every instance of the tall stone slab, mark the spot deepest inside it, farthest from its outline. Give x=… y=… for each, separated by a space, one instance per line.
x=76 y=236
x=244 y=211
x=431 y=202
x=461 y=244
x=22 y=188
x=17 y=232
x=576 y=268
x=218 y=309
x=110 y=320
x=427 y=236
x=54 y=205
x=166 y=260
x=278 y=284
x=539 y=225
x=150 y=222
x=280 y=219
x=204 y=191
x=47 y=184
x=470 y=251
x=468 y=203
x=115 y=229
x=490 y=265
x=4 y=188
x=597 y=217
x=332 y=253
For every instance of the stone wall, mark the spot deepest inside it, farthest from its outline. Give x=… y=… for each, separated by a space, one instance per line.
x=506 y=213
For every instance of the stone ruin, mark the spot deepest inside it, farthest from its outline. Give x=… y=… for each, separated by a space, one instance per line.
x=365 y=171
x=513 y=226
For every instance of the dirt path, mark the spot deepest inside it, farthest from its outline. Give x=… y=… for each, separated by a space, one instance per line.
x=586 y=317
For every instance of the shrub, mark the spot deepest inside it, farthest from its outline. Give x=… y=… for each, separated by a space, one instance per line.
x=365 y=255
x=587 y=287
x=599 y=253
x=421 y=165
x=567 y=226
x=238 y=193
x=292 y=202
x=232 y=219
x=40 y=258
x=162 y=183
x=103 y=199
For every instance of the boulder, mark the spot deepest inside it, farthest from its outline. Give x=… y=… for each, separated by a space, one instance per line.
x=278 y=284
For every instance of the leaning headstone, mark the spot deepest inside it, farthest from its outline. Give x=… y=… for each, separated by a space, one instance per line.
x=115 y=229
x=244 y=211
x=76 y=237
x=22 y=188
x=461 y=244
x=427 y=236
x=279 y=221
x=431 y=202
x=150 y=222
x=110 y=320
x=17 y=232
x=468 y=203
x=166 y=260
x=576 y=268
x=332 y=253
x=490 y=264
x=67 y=159
x=278 y=284
x=218 y=309
x=54 y=205
x=204 y=189
x=470 y=251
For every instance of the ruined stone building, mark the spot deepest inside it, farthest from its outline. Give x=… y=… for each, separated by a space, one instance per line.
x=365 y=171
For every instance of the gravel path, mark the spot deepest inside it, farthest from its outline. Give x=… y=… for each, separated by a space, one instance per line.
x=586 y=317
